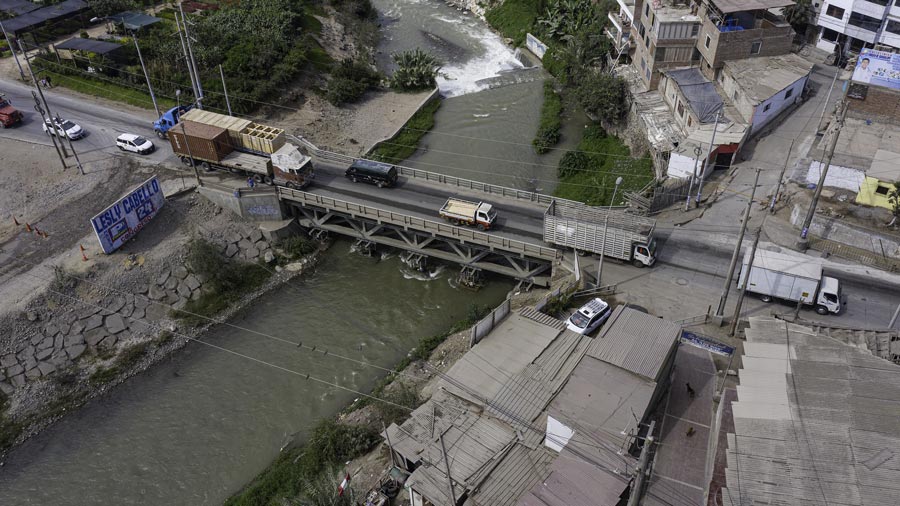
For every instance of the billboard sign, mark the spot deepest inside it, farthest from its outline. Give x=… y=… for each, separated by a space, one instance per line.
x=878 y=68
x=535 y=46
x=706 y=343
x=119 y=222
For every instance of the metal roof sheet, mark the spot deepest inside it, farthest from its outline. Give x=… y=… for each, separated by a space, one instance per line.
x=18 y=7
x=36 y=17
x=94 y=46
x=636 y=342
x=134 y=20
x=728 y=6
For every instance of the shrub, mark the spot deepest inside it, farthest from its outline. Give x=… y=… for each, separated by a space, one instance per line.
x=514 y=18
x=297 y=246
x=551 y=122
x=603 y=96
x=349 y=81
x=400 y=396
x=405 y=143
x=416 y=70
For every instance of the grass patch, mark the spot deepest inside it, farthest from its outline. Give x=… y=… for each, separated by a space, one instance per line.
x=551 y=120
x=9 y=430
x=297 y=246
x=329 y=444
x=126 y=359
x=404 y=144
x=227 y=280
x=110 y=91
x=514 y=18
x=589 y=174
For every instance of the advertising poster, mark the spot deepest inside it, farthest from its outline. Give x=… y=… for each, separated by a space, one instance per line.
x=878 y=68
x=119 y=222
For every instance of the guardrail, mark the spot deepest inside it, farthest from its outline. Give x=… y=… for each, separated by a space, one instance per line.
x=258 y=190
x=421 y=224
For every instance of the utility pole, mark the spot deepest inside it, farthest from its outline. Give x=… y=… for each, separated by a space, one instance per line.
x=781 y=178
x=712 y=142
x=605 y=228
x=187 y=37
x=687 y=203
x=837 y=72
x=803 y=242
x=224 y=89
x=60 y=149
x=740 y=301
x=144 y=68
x=12 y=50
x=447 y=467
x=638 y=485
x=894 y=318
x=187 y=61
x=720 y=311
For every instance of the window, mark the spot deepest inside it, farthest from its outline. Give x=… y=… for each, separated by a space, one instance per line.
x=660 y=54
x=648 y=74
x=708 y=40
x=835 y=12
x=893 y=26
x=689 y=121
x=643 y=63
x=641 y=30
x=755 y=47
x=882 y=190
x=788 y=93
x=882 y=3
x=695 y=54
x=831 y=35
x=647 y=9
x=767 y=107
x=864 y=22
x=680 y=109
x=735 y=95
x=695 y=29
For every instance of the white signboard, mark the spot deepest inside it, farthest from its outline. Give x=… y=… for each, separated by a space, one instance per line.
x=878 y=68
x=121 y=221
x=535 y=46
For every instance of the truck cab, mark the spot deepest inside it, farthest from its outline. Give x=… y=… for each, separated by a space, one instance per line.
x=645 y=254
x=485 y=216
x=828 y=300
x=9 y=115
x=169 y=119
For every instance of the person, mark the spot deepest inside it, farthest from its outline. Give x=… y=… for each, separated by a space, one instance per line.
x=690 y=390
x=49 y=82
x=863 y=73
x=250 y=182
x=43 y=82
x=690 y=431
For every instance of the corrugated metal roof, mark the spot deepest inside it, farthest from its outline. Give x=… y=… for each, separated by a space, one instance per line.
x=796 y=265
x=836 y=437
x=636 y=342
x=575 y=482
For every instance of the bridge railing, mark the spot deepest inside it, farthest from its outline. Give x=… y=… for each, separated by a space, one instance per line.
x=435 y=227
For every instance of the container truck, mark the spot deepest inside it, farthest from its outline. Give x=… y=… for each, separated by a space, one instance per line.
x=209 y=148
x=791 y=278
x=581 y=227
x=463 y=212
x=169 y=119
x=9 y=115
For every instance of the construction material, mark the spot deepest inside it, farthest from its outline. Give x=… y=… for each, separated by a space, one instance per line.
x=262 y=138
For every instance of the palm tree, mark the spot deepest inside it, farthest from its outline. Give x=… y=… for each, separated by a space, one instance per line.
x=416 y=70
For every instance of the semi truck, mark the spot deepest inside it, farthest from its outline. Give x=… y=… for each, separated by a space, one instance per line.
x=628 y=237
x=9 y=115
x=209 y=148
x=169 y=119
x=463 y=212
x=791 y=278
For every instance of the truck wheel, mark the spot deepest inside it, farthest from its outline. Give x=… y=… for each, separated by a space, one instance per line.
x=638 y=264
x=205 y=166
x=161 y=135
x=186 y=161
x=481 y=227
x=822 y=310
x=268 y=180
x=765 y=298
x=258 y=179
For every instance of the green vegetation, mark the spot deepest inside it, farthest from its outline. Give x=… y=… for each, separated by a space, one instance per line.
x=126 y=359
x=350 y=80
x=589 y=173
x=404 y=144
x=514 y=18
x=603 y=96
x=551 y=120
x=329 y=445
x=416 y=70
x=9 y=430
x=297 y=246
x=400 y=394
x=227 y=280
x=107 y=90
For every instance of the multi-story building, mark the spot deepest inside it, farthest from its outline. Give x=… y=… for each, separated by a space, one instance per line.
x=665 y=36
x=854 y=24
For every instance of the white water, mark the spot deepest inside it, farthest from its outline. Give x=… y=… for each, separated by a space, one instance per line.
x=497 y=57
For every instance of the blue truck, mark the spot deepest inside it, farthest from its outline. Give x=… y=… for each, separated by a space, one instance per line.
x=169 y=119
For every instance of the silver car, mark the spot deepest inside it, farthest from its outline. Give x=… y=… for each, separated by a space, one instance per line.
x=63 y=128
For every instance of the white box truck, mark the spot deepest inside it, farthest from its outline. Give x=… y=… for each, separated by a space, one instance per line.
x=463 y=212
x=792 y=278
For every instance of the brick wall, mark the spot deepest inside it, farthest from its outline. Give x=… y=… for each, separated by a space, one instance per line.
x=724 y=46
x=882 y=103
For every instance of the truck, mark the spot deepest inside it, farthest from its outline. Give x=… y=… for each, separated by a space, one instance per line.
x=9 y=115
x=463 y=212
x=169 y=119
x=790 y=278
x=609 y=232
x=209 y=148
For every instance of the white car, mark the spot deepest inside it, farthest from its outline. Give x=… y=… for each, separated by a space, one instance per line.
x=589 y=317
x=63 y=127
x=135 y=144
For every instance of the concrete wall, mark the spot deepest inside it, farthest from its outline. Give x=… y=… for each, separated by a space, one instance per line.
x=881 y=102
x=253 y=206
x=487 y=324
x=777 y=104
x=835 y=230
x=725 y=46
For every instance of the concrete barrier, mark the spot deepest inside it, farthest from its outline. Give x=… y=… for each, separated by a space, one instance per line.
x=250 y=205
x=487 y=324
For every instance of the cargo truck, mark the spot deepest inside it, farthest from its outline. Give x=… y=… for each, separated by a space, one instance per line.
x=9 y=115
x=791 y=278
x=169 y=119
x=209 y=148
x=581 y=227
x=463 y=212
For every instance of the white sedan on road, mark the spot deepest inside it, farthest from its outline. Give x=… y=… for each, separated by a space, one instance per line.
x=63 y=127
x=135 y=144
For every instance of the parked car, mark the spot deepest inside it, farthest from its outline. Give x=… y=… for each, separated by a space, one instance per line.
x=135 y=144
x=63 y=127
x=377 y=173
x=589 y=317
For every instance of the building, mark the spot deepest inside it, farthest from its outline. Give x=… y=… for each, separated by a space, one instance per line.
x=814 y=421
x=536 y=415
x=854 y=24
x=880 y=180
x=763 y=88
x=665 y=36
x=692 y=97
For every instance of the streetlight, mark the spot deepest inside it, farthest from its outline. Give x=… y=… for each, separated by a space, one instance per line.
x=605 y=227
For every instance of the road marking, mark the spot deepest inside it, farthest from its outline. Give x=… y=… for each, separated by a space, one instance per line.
x=688 y=421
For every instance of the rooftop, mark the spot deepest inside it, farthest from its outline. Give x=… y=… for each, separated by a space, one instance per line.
x=728 y=6
x=762 y=78
x=815 y=421
x=636 y=342
x=93 y=46
x=700 y=93
x=32 y=19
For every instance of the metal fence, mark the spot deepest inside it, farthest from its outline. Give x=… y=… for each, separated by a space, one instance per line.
x=487 y=324
x=434 y=227
x=657 y=196
x=541 y=304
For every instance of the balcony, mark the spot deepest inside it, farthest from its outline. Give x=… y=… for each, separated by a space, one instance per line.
x=626 y=9
x=622 y=23
x=621 y=39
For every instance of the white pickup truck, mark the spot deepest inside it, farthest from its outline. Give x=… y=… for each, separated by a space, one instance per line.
x=463 y=212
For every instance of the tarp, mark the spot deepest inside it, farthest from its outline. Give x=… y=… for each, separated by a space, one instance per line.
x=700 y=93
x=18 y=7
x=37 y=17
x=133 y=20
x=94 y=46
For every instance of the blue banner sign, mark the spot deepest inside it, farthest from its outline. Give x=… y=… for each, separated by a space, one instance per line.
x=121 y=221
x=879 y=68
x=706 y=343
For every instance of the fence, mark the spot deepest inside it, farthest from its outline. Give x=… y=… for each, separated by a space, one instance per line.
x=541 y=304
x=657 y=196
x=487 y=324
